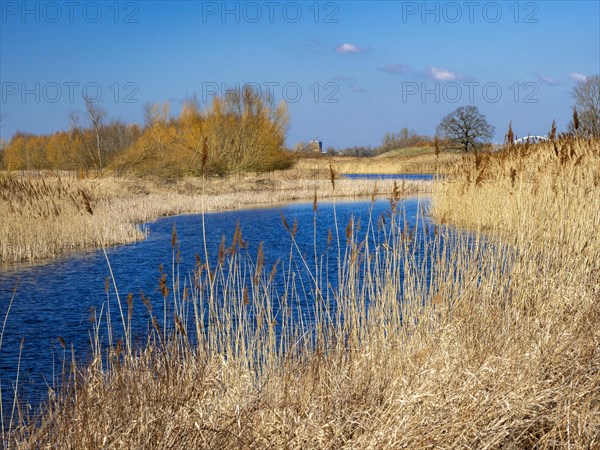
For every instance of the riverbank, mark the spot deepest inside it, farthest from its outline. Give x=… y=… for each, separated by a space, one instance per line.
x=47 y=215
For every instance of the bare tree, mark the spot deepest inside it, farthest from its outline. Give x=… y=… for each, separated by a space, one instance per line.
x=95 y=117
x=78 y=130
x=155 y=113
x=402 y=139
x=587 y=104
x=466 y=127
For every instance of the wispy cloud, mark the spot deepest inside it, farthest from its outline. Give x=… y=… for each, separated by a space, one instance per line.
x=547 y=80
x=397 y=69
x=349 y=48
x=351 y=82
x=440 y=74
x=358 y=88
x=578 y=77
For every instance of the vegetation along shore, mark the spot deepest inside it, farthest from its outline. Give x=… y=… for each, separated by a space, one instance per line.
x=473 y=323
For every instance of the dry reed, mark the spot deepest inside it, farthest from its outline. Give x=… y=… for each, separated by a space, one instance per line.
x=46 y=217
x=497 y=347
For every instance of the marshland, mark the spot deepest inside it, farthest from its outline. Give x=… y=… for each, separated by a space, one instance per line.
x=48 y=215
x=193 y=257
x=467 y=318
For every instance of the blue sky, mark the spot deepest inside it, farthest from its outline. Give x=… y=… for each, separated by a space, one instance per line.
x=350 y=71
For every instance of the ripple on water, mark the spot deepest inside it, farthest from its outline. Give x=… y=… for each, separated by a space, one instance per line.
x=54 y=299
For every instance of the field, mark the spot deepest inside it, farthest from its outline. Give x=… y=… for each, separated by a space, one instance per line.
x=406 y=160
x=498 y=347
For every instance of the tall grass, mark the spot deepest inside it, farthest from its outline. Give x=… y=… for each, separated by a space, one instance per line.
x=418 y=337
x=46 y=217
x=402 y=161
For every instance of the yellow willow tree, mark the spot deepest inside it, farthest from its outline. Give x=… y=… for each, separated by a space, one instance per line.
x=160 y=133
x=15 y=151
x=61 y=150
x=25 y=152
x=192 y=142
x=70 y=150
x=245 y=131
x=239 y=132
x=64 y=151
x=152 y=151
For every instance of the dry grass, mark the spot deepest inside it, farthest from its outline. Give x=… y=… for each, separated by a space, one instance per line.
x=387 y=163
x=498 y=349
x=45 y=217
x=407 y=152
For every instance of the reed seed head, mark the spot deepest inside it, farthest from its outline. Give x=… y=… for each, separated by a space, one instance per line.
x=332 y=175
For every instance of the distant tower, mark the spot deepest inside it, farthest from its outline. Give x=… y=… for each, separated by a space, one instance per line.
x=316 y=146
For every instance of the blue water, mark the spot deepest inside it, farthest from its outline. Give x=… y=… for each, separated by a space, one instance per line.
x=54 y=298
x=392 y=176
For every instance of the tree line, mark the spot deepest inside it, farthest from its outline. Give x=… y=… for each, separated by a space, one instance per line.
x=466 y=128
x=241 y=131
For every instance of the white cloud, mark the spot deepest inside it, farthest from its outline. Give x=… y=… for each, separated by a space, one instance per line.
x=578 y=77
x=349 y=48
x=437 y=73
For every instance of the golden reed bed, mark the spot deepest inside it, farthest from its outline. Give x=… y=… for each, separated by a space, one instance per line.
x=498 y=347
x=47 y=216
